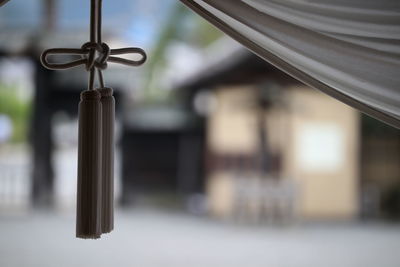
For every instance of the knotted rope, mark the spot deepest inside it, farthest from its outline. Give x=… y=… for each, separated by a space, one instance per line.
x=95 y=195
x=94 y=54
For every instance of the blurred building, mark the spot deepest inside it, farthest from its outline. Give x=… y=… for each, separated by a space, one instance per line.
x=162 y=148
x=277 y=149
x=256 y=143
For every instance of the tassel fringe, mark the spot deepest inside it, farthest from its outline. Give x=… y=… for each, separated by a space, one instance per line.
x=95 y=201
x=88 y=217
x=108 y=117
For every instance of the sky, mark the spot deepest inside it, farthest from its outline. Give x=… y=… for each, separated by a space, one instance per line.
x=134 y=20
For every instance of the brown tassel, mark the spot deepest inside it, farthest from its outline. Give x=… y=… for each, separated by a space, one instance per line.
x=108 y=117
x=88 y=219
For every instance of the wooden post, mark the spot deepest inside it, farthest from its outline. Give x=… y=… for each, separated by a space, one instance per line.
x=41 y=139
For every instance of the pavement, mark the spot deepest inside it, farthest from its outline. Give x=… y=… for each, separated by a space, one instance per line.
x=147 y=238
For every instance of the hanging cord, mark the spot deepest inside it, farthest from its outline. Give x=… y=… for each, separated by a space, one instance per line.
x=89 y=51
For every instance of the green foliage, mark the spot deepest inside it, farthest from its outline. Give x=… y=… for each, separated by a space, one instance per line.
x=203 y=33
x=184 y=26
x=18 y=111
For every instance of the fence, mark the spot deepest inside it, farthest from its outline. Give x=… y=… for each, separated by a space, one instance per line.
x=14 y=186
x=259 y=200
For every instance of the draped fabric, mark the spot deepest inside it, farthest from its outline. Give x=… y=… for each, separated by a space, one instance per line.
x=349 y=49
x=3 y=2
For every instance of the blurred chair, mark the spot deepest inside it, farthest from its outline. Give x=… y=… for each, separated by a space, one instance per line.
x=264 y=199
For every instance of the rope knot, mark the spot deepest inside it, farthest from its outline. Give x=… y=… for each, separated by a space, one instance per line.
x=96 y=55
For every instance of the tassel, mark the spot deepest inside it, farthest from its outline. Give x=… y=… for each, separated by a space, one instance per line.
x=88 y=219
x=95 y=214
x=108 y=117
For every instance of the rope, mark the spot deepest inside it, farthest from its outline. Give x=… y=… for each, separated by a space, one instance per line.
x=94 y=54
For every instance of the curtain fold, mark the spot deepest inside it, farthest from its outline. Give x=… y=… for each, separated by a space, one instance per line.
x=3 y=2
x=347 y=49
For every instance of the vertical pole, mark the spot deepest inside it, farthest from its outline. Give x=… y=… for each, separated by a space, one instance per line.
x=41 y=140
x=49 y=15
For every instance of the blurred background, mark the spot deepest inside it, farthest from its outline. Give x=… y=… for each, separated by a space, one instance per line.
x=222 y=160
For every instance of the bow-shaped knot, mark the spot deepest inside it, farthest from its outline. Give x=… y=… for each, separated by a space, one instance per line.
x=93 y=55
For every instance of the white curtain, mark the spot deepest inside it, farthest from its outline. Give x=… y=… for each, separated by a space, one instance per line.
x=349 y=49
x=2 y=2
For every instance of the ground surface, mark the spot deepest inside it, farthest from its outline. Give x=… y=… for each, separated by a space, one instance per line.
x=151 y=238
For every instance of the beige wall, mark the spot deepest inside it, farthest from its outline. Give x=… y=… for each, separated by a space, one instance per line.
x=326 y=162
x=220 y=192
x=232 y=126
x=318 y=140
